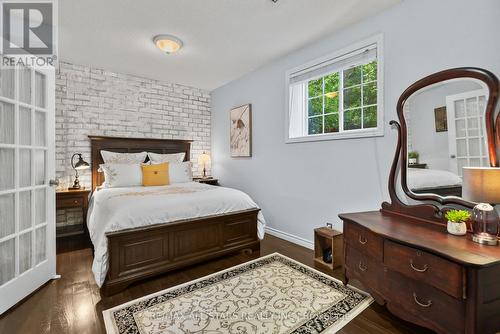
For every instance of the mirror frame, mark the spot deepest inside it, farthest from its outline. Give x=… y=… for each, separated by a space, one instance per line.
x=429 y=211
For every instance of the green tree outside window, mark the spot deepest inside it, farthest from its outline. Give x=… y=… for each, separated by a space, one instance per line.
x=359 y=93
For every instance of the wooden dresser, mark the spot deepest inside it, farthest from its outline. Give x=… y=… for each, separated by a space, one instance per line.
x=422 y=274
x=403 y=255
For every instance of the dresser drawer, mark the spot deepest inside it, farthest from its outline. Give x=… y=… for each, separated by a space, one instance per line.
x=425 y=267
x=424 y=305
x=71 y=202
x=364 y=240
x=364 y=268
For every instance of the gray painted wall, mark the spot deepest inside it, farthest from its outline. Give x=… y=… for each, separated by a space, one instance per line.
x=302 y=186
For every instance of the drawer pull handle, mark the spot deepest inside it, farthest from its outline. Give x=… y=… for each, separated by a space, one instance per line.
x=362 y=240
x=423 y=270
x=428 y=304
x=362 y=267
x=76 y=202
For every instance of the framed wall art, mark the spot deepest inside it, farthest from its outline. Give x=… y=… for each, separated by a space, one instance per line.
x=441 y=119
x=241 y=131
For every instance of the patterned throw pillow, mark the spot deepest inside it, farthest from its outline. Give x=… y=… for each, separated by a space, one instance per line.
x=122 y=175
x=155 y=175
x=123 y=158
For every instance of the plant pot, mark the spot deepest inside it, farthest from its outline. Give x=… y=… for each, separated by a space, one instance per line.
x=457 y=228
x=412 y=161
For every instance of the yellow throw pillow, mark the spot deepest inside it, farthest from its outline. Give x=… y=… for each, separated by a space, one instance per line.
x=155 y=175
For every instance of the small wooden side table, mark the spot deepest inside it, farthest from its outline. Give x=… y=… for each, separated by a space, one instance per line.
x=70 y=199
x=208 y=180
x=324 y=238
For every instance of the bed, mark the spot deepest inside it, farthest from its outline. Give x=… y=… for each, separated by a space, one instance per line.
x=440 y=182
x=138 y=245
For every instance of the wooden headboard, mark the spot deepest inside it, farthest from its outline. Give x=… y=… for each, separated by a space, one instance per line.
x=131 y=145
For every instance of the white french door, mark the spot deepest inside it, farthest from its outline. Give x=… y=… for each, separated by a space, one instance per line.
x=466 y=130
x=27 y=163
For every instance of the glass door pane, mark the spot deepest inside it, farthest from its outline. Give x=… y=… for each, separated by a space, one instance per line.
x=7 y=260
x=40 y=206
x=25 y=252
x=40 y=127
x=459 y=109
x=24 y=126
x=471 y=107
x=6 y=168
x=7 y=82
x=7 y=116
x=39 y=166
x=24 y=168
x=40 y=90
x=25 y=85
x=40 y=244
x=7 y=215
x=25 y=210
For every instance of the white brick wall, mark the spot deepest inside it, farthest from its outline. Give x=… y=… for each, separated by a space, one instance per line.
x=92 y=101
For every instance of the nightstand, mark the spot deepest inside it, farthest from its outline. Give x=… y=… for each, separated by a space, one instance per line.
x=209 y=180
x=71 y=199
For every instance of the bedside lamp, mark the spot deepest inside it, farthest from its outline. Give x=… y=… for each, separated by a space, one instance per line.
x=482 y=185
x=204 y=160
x=79 y=165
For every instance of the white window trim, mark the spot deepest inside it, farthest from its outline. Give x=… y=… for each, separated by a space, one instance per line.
x=360 y=133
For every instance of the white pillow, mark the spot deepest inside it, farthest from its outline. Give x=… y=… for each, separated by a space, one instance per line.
x=123 y=158
x=171 y=158
x=122 y=175
x=180 y=172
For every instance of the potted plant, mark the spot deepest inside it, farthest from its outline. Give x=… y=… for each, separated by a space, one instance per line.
x=413 y=157
x=457 y=221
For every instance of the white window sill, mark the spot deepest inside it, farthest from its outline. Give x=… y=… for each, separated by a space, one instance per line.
x=337 y=136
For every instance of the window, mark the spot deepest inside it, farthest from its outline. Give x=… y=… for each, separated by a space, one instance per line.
x=338 y=96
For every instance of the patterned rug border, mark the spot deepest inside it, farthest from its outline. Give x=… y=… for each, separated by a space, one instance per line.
x=332 y=327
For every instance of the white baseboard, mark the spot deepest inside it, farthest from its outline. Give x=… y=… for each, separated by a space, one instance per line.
x=290 y=237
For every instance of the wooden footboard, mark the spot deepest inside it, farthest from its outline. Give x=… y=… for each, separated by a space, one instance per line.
x=138 y=253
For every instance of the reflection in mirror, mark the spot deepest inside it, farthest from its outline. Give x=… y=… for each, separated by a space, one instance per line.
x=446 y=132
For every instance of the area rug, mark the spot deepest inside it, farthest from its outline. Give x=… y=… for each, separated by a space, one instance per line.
x=273 y=294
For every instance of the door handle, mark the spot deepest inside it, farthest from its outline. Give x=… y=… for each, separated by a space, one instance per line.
x=54 y=183
x=453 y=156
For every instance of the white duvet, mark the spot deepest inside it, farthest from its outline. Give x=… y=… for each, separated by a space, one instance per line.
x=419 y=178
x=114 y=209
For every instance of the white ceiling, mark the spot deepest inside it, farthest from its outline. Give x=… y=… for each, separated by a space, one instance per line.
x=223 y=39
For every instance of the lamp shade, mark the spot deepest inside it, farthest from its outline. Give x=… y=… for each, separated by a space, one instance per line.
x=204 y=159
x=80 y=164
x=481 y=184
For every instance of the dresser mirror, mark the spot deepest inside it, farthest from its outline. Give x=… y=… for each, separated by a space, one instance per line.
x=446 y=131
x=446 y=122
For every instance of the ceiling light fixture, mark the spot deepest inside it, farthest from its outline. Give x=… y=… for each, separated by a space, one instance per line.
x=167 y=43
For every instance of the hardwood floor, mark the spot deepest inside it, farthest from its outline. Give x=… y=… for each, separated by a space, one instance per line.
x=73 y=304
